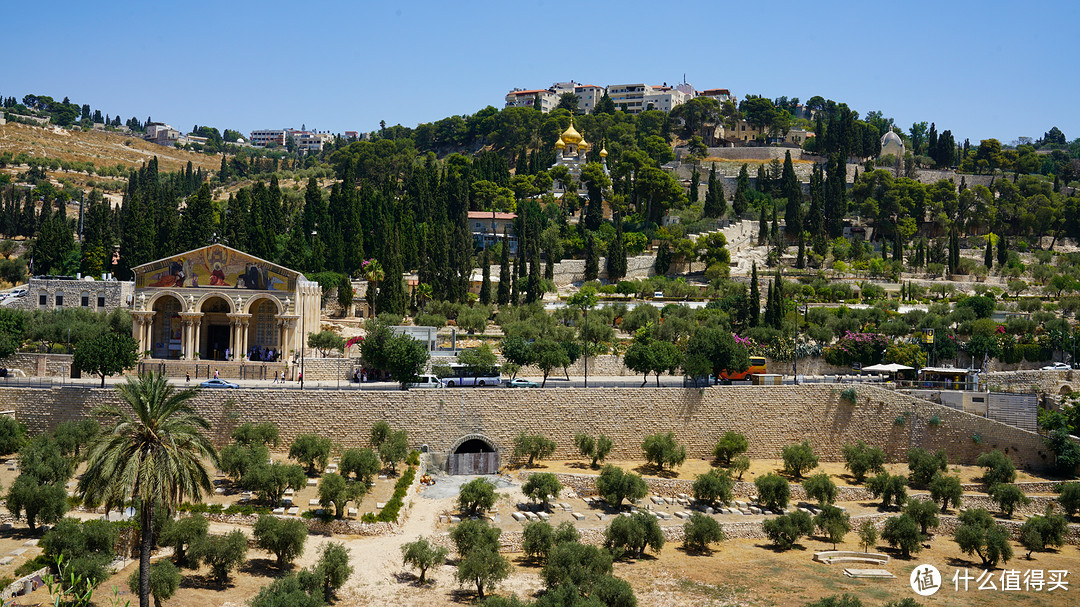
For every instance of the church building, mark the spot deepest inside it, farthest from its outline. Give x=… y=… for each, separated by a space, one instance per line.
x=218 y=303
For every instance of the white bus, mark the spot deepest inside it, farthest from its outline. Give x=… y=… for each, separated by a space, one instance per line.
x=457 y=374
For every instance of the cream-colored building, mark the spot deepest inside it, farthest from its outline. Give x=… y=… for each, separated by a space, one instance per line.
x=215 y=301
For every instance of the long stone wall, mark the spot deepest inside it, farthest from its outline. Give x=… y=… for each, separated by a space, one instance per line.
x=770 y=416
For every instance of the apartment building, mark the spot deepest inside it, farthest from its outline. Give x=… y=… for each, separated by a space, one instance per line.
x=546 y=99
x=306 y=141
x=639 y=97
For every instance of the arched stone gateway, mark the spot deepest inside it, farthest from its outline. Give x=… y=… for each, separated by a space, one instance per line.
x=473 y=454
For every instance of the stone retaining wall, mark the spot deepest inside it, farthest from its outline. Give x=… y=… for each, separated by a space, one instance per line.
x=771 y=417
x=34 y=364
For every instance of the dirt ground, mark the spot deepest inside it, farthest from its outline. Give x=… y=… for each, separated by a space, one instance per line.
x=739 y=572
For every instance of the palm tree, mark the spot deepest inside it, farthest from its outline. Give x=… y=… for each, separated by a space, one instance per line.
x=152 y=458
x=373 y=272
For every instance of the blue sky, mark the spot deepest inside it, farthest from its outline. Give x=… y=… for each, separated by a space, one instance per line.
x=982 y=69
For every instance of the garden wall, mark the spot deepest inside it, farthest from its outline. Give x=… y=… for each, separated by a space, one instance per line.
x=771 y=417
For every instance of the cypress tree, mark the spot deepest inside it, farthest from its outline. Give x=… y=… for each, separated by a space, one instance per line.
x=763 y=227
x=515 y=297
x=988 y=259
x=592 y=259
x=485 y=284
x=695 y=181
x=714 y=196
x=196 y=224
x=505 y=279
x=793 y=192
x=755 y=298
x=761 y=184
x=1003 y=250
x=775 y=232
x=800 y=261
x=742 y=184
x=392 y=297
x=835 y=192
x=616 y=254
x=663 y=259
x=532 y=288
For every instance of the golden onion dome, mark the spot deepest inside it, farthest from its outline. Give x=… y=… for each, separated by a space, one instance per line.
x=570 y=135
x=584 y=146
x=559 y=144
x=603 y=152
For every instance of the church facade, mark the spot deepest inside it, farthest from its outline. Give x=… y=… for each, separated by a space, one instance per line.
x=218 y=303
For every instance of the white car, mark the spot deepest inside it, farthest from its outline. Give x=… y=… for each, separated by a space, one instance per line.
x=426 y=381
x=1056 y=367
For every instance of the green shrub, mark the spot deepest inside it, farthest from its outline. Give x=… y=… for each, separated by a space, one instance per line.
x=773 y=491
x=861 y=460
x=924 y=465
x=850 y=395
x=785 y=531
x=999 y=468
x=729 y=446
x=892 y=489
x=662 y=450
x=713 y=486
x=701 y=531
x=630 y=535
x=799 y=458
x=902 y=532
x=821 y=488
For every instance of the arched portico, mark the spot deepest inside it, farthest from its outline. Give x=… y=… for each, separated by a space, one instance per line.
x=473 y=454
x=213 y=333
x=166 y=326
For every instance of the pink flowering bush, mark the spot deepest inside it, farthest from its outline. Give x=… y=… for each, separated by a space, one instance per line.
x=865 y=348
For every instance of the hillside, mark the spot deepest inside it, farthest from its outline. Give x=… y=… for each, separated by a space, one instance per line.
x=102 y=149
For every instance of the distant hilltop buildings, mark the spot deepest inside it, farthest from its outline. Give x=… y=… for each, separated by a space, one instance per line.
x=306 y=141
x=630 y=98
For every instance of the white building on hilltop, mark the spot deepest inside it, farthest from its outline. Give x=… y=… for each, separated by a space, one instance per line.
x=639 y=97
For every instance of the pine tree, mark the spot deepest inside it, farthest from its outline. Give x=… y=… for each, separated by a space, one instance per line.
x=755 y=298
x=742 y=185
x=592 y=259
x=504 y=272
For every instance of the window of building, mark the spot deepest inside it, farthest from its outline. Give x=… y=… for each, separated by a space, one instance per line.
x=84 y=300
x=59 y=300
x=43 y=299
x=101 y=301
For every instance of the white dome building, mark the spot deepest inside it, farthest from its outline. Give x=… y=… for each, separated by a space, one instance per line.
x=891 y=143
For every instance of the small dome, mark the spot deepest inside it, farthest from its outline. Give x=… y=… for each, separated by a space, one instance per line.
x=584 y=146
x=891 y=136
x=603 y=152
x=559 y=144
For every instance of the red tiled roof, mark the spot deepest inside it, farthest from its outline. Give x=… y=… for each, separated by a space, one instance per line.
x=529 y=92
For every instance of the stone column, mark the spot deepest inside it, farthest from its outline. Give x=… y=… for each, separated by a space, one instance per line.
x=141 y=329
x=191 y=321
x=288 y=328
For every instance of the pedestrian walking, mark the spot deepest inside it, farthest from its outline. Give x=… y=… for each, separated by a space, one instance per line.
x=188 y=376
x=215 y=373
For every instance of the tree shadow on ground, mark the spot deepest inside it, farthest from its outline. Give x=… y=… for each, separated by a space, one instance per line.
x=653 y=470
x=204 y=582
x=264 y=568
x=780 y=549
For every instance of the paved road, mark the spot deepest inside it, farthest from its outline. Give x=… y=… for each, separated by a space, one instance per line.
x=575 y=381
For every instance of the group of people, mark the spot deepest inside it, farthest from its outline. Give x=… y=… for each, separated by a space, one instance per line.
x=258 y=354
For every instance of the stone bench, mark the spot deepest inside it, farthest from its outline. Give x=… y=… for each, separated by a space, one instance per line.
x=842 y=556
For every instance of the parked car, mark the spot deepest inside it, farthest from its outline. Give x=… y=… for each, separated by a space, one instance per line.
x=1056 y=367
x=426 y=381
x=217 y=383
x=521 y=383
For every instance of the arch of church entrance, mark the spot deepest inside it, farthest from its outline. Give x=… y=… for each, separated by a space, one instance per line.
x=167 y=330
x=473 y=454
x=215 y=334
x=264 y=333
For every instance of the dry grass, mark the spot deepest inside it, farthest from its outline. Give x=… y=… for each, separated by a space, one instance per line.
x=102 y=149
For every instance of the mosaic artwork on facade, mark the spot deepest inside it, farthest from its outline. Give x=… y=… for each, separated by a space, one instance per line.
x=215 y=267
